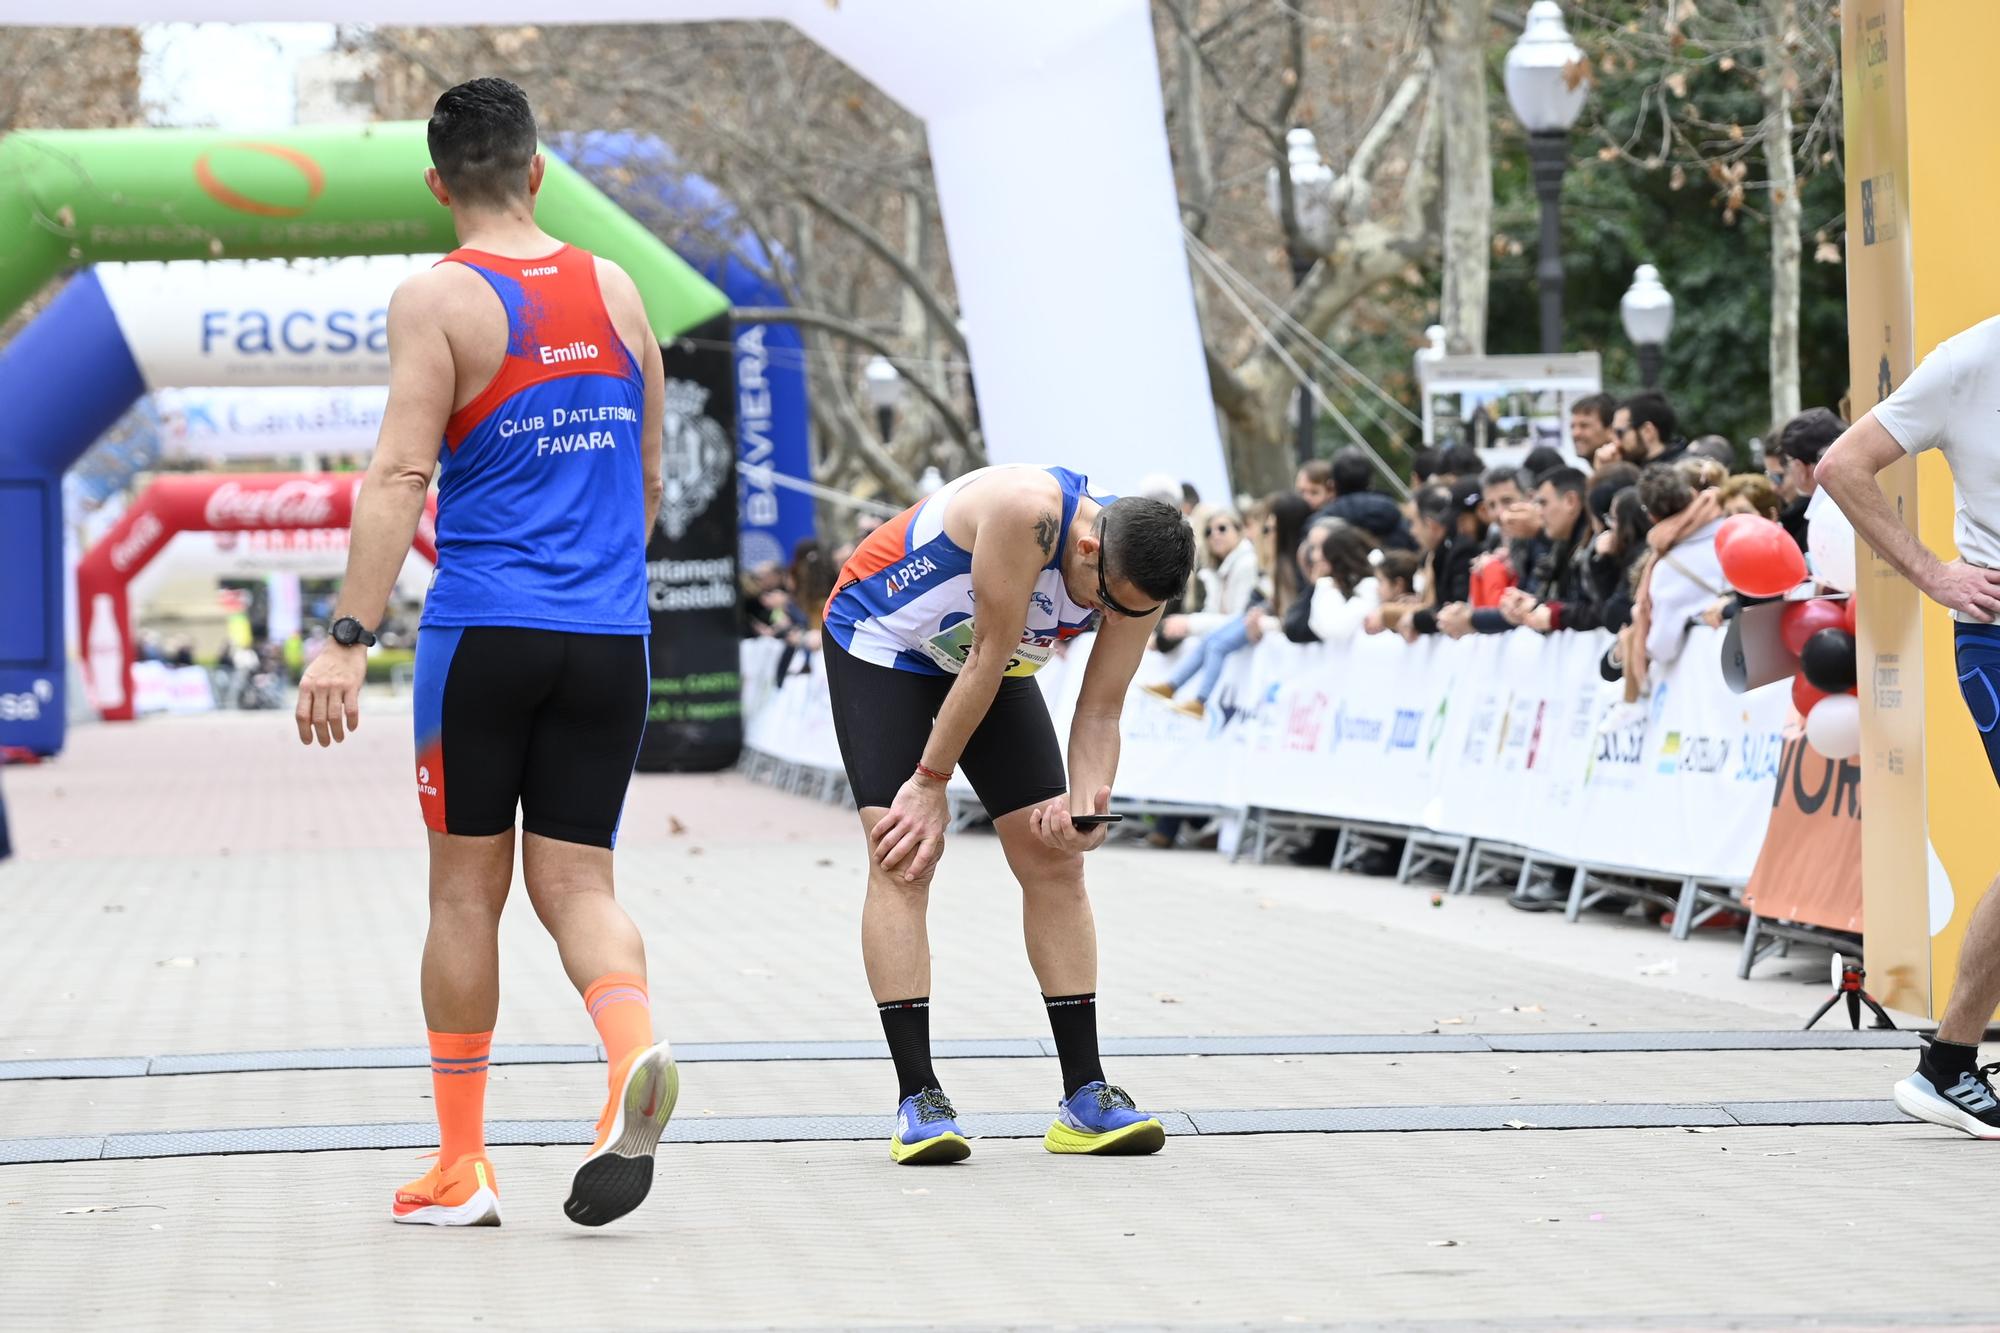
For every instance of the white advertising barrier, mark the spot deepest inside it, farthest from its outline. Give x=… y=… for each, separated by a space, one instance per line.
x=259 y=322
x=159 y=688
x=1507 y=738
x=205 y=424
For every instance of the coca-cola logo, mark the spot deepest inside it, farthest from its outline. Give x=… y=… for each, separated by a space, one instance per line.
x=133 y=546
x=290 y=504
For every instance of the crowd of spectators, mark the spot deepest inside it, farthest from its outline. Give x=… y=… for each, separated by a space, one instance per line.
x=1618 y=534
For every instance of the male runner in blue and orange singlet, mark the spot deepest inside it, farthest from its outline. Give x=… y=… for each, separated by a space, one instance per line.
x=526 y=368
x=936 y=624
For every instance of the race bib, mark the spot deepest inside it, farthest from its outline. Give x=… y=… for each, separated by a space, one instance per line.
x=950 y=648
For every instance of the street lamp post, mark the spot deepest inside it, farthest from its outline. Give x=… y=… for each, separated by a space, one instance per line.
x=1312 y=212
x=1647 y=311
x=1546 y=90
x=885 y=391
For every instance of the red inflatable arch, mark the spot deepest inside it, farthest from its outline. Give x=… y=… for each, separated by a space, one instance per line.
x=215 y=502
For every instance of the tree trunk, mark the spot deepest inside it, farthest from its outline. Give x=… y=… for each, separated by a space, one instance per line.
x=1457 y=34
x=1780 y=77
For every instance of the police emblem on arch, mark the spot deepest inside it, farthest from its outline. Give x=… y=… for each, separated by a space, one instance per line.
x=697 y=457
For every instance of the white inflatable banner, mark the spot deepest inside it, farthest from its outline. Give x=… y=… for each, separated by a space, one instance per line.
x=257 y=322
x=215 y=424
x=1022 y=102
x=1508 y=738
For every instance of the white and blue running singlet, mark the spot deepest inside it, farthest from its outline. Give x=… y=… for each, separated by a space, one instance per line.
x=904 y=599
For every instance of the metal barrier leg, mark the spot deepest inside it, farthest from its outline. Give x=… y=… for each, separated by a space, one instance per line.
x=1403 y=868
x=1455 y=883
x=1579 y=885
x=1684 y=911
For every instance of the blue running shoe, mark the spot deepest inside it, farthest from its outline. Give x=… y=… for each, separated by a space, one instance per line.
x=927 y=1131
x=1101 y=1119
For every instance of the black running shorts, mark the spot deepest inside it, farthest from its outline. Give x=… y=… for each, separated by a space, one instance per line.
x=882 y=718
x=534 y=718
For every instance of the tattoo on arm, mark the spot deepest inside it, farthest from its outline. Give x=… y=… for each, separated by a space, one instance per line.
x=1046 y=528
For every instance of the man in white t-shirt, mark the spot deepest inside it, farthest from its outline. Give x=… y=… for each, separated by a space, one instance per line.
x=1952 y=403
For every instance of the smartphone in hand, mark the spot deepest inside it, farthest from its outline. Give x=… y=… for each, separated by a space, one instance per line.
x=1093 y=821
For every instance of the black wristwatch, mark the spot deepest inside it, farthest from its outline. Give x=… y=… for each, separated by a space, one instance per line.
x=347 y=632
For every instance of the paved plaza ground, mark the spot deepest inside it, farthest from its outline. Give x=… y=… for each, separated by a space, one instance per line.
x=1384 y=1113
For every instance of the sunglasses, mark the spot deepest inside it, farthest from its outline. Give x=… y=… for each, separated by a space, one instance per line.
x=1218 y=529
x=1104 y=593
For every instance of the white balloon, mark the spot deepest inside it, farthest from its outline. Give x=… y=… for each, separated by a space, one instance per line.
x=1830 y=543
x=1834 y=726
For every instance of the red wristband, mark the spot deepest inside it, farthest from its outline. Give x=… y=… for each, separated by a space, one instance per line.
x=932 y=774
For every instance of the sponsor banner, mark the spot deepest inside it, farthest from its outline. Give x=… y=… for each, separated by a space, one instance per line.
x=1508 y=738
x=259 y=322
x=1810 y=868
x=213 y=424
x=695 y=720
x=159 y=688
x=241 y=505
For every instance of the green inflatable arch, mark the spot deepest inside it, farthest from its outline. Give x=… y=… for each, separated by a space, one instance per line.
x=74 y=197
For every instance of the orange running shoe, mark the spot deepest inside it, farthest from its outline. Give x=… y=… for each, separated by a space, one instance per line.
x=464 y=1194
x=615 y=1177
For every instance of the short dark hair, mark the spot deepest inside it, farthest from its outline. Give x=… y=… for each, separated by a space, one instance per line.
x=1316 y=470
x=1189 y=495
x=1353 y=470
x=1424 y=463
x=1542 y=460
x=482 y=138
x=1600 y=405
x=1716 y=447
x=1149 y=545
x=1461 y=460
x=1434 y=503
x=1808 y=435
x=1665 y=490
x=1651 y=408
x=1501 y=476
x=1566 y=480
x=1616 y=475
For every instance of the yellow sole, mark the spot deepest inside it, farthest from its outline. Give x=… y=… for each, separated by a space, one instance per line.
x=1135 y=1140
x=931 y=1152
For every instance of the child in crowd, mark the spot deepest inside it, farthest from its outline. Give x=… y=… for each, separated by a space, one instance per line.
x=1278 y=585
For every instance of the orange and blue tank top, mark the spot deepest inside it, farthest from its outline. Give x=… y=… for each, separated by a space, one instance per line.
x=541 y=517
x=904 y=599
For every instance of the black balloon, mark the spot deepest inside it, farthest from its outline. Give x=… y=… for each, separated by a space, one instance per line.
x=1828 y=661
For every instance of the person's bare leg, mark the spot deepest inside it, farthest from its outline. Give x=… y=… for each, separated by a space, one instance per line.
x=1976 y=992
x=461 y=970
x=1055 y=910
x=570 y=885
x=895 y=940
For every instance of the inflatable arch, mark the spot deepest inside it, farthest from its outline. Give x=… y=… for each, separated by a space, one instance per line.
x=215 y=502
x=1047 y=134
x=88 y=196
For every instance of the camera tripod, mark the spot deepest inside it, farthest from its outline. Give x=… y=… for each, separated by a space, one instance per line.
x=1847 y=979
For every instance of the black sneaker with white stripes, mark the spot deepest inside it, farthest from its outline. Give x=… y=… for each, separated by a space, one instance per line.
x=1967 y=1103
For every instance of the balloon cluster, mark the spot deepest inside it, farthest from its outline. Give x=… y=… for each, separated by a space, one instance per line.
x=1760 y=559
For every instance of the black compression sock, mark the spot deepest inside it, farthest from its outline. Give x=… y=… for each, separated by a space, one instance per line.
x=1946 y=1060
x=907 y=1025
x=1073 y=1019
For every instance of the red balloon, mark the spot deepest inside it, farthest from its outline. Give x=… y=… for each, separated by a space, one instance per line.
x=1762 y=560
x=1804 y=694
x=1849 y=610
x=1801 y=620
x=1731 y=526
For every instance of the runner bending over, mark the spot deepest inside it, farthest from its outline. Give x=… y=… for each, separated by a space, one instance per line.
x=937 y=622
x=528 y=368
